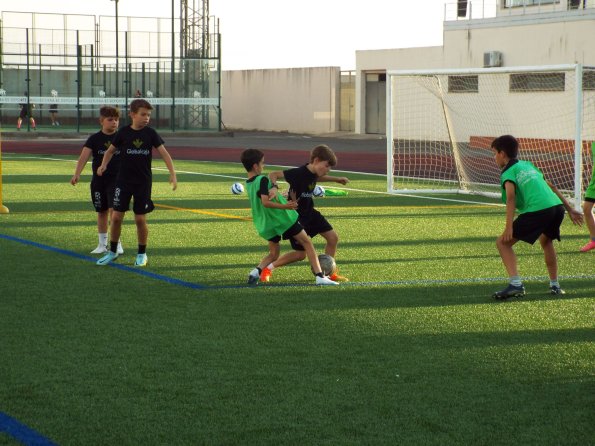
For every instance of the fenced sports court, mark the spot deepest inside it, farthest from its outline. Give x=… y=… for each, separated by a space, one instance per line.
x=80 y=62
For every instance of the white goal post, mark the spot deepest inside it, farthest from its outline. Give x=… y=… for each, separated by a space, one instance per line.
x=440 y=125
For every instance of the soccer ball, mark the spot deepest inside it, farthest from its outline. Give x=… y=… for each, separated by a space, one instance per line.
x=327 y=264
x=237 y=188
x=318 y=191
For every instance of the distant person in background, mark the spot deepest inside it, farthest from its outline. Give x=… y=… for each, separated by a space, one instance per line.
x=54 y=110
x=138 y=94
x=26 y=110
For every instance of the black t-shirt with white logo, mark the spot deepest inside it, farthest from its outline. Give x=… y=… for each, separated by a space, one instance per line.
x=136 y=151
x=301 y=182
x=99 y=143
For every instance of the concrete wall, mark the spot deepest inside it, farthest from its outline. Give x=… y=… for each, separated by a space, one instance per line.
x=300 y=100
x=544 y=38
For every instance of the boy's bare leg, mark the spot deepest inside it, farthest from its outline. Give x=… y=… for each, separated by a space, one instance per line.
x=306 y=242
x=589 y=218
x=102 y=222
x=508 y=256
x=116 y=225
x=549 y=252
x=142 y=230
x=290 y=257
x=272 y=256
x=332 y=239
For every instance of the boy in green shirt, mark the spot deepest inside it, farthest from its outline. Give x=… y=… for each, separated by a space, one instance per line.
x=541 y=211
x=274 y=218
x=588 y=207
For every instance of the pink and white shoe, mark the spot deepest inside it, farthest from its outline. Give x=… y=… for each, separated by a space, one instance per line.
x=589 y=246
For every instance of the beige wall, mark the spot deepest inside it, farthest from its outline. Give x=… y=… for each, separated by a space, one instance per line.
x=548 y=38
x=300 y=100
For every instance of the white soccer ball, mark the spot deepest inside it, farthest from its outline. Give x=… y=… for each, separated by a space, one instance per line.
x=237 y=188
x=318 y=191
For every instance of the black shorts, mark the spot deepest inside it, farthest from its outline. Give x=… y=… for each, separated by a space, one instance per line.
x=295 y=229
x=528 y=227
x=315 y=223
x=141 y=193
x=102 y=192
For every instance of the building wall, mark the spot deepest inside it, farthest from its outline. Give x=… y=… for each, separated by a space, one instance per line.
x=300 y=100
x=547 y=38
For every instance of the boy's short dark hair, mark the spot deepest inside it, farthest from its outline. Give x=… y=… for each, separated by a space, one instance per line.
x=140 y=103
x=107 y=111
x=324 y=153
x=250 y=157
x=507 y=144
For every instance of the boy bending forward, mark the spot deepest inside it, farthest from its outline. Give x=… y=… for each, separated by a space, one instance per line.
x=541 y=211
x=275 y=218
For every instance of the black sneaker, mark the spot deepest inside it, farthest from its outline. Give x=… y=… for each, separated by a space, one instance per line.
x=509 y=291
x=555 y=289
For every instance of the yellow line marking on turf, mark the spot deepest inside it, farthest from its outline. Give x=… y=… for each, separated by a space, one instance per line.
x=197 y=211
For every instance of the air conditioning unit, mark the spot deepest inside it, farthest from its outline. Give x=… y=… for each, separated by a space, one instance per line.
x=492 y=59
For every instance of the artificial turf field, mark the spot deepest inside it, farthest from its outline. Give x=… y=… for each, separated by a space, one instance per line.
x=411 y=351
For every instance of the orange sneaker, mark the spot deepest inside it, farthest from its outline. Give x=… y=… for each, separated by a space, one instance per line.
x=588 y=247
x=335 y=277
x=265 y=275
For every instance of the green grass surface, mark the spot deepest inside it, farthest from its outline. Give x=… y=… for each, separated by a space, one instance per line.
x=411 y=351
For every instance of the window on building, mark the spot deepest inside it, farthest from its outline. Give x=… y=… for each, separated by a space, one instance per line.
x=463 y=84
x=589 y=80
x=519 y=3
x=527 y=82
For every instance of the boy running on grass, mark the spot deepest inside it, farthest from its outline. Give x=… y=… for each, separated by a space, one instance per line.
x=102 y=187
x=302 y=181
x=541 y=211
x=275 y=218
x=135 y=143
x=588 y=207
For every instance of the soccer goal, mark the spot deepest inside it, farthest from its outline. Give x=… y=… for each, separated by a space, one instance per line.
x=440 y=124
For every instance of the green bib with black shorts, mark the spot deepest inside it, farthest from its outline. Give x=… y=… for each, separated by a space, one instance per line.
x=269 y=222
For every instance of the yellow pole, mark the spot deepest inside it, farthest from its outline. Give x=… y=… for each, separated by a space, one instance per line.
x=3 y=209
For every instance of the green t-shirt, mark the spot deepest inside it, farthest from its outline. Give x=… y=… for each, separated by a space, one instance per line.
x=532 y=192
x=269 y=222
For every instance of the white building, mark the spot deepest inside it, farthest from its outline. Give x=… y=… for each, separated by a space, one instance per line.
x=482 y=33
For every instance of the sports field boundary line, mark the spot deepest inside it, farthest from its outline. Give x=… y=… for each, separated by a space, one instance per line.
x=22 y=433
x=200 y=287
x=135 y=270
x=241 y=178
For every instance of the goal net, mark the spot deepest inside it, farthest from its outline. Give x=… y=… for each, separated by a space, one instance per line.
x=440 y=125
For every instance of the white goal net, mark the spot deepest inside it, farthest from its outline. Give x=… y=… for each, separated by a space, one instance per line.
x=440 y=125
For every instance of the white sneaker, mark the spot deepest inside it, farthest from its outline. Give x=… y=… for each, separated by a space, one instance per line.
x=324 y=280
x=141 y=260
x=120 y=249
x=101 y=249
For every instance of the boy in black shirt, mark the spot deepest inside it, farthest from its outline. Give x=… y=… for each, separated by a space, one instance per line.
x=136 y=143
x=102 y=187
x=302 y=181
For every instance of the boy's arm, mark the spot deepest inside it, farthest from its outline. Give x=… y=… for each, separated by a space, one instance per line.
x=510 y=188
x=575 y=216
x=173 y=179
x=80 y=165
x=329 y=179
x=268 y=203
x=107 y=156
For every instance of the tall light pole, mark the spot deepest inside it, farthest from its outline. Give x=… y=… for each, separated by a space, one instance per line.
x=117 y=54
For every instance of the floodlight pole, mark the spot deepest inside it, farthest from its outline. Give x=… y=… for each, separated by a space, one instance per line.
x=117 y=54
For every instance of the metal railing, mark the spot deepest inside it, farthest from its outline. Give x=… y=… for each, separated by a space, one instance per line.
x=484 y=9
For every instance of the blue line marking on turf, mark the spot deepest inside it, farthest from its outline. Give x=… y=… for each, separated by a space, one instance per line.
x=131 y=269
x=22 y=433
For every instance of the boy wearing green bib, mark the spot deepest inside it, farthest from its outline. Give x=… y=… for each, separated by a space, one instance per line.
x=541 y=211
x=275 y=218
